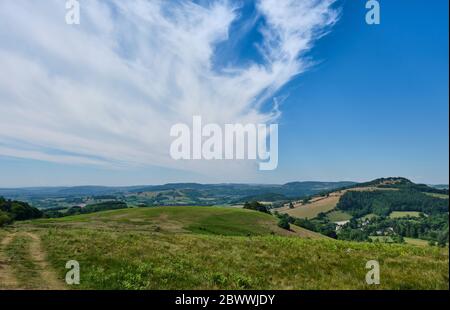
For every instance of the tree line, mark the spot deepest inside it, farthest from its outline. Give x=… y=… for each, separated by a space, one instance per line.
x=11 y=210
x=384 y=202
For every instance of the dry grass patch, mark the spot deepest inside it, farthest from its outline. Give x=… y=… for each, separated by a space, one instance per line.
x=312 y=209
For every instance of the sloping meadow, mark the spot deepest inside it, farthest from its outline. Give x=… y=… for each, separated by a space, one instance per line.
x=177 y=248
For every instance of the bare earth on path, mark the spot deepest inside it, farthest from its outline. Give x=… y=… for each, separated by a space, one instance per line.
x=46 y=278
x=7 y=278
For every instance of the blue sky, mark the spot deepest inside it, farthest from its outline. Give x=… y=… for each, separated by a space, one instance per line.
x=380 y=98
x=374 y=104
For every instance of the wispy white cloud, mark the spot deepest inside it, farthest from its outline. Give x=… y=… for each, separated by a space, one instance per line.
x=107 y=91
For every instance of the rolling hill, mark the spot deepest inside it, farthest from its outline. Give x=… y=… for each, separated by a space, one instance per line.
x=388 y=209
x=328 y=201
x=200 y=220
x=203 y=248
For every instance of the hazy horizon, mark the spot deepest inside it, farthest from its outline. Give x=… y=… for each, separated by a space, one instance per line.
x=202 y=183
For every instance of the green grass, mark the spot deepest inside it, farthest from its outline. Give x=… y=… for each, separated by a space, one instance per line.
x=223 y=248
x=233 y=224
x=25 y=270
x=411 y=241
x=442 y=196
x=142 y=261
x=399 y=214
x=415 y=241
x=199 y=220
x=369 y=216
x=383 y=239
x=338 y=216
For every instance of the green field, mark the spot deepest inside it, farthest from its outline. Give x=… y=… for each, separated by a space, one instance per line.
x=384 y=239
x=369 y=216
x=411 y=241
x=211 y=248
x=415 y=241
x=198 y=220
x=338 y=216
x=442 y=196
x=399 y=214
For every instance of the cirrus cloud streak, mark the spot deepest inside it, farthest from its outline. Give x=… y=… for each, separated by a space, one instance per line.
x=106 y=92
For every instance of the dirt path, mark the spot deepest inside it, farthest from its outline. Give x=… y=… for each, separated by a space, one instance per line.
x=7 y=278
x=48 y=277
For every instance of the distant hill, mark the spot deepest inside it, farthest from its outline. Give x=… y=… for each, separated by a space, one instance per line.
x=184 y=194
x=326 y=201
x=170 y=194
x=394 y=208
x=439 y=186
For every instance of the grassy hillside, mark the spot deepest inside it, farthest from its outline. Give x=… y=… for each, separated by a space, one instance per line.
x=395 y=208
x=400 y=214
x=326 y=202
x=210 y=248
x=200 y=220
